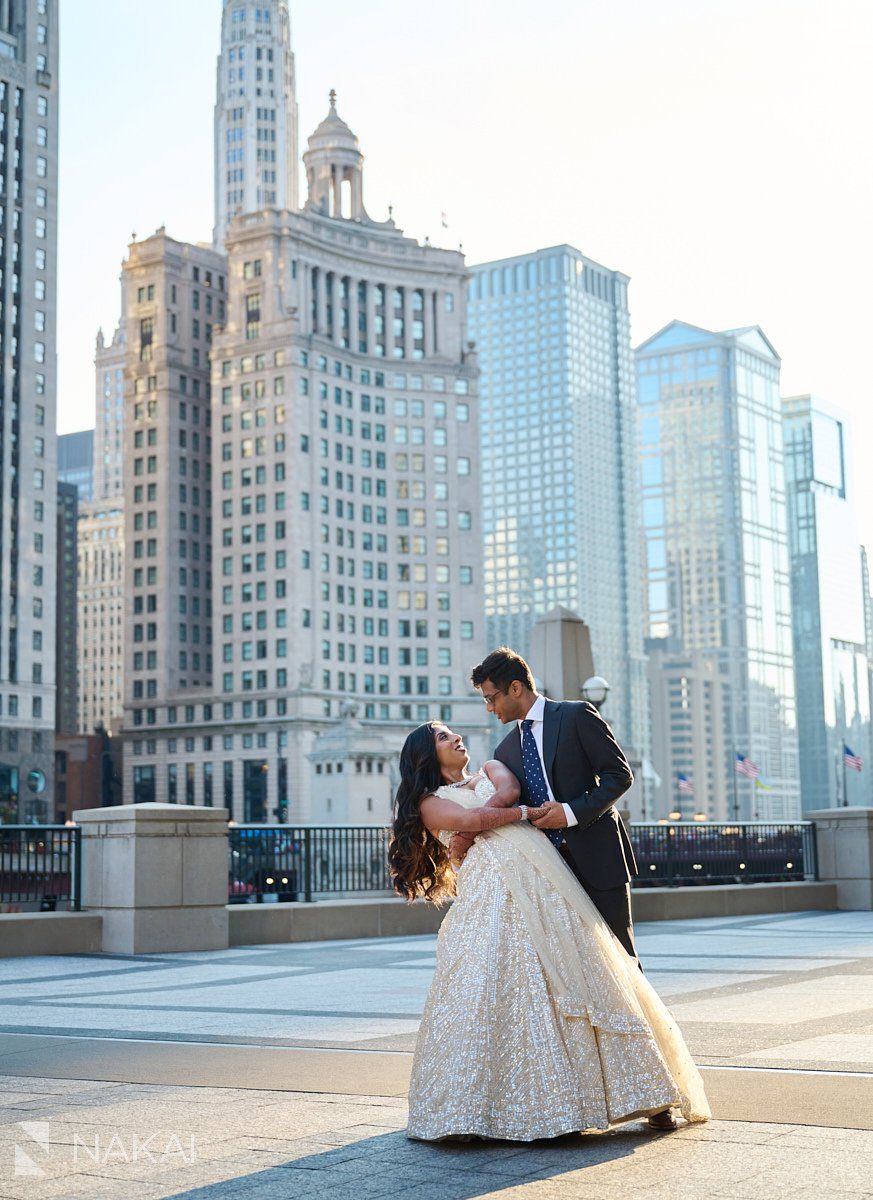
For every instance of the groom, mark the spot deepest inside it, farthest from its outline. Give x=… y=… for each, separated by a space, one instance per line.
x=572 y=770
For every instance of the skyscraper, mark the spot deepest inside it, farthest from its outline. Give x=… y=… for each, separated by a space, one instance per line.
x=100 y=615
x=101 y=607
x=174 y=297
x=552 y=333
x=828 y=601
x=718 y=603
x=76 y=462
x=28 y=465
x=109 y=362
x=256 y=153
x=344 y=553
x=65 y=612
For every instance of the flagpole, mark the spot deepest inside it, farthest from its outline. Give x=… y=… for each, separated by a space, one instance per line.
x=736 y=797
x=845 y=787
x=837 y=776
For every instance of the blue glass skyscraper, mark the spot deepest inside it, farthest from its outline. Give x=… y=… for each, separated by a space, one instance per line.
x=717 y=597
x=76 y=462
x=830 y=651
x=559 y=506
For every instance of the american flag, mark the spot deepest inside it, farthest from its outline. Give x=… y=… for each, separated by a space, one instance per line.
x=684 y=783
x=745 y=766
x=852 y=760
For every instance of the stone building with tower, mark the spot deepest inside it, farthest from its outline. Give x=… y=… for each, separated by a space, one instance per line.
x=302 y=532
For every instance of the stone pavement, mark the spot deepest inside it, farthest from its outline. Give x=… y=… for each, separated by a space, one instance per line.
x=301 y=1054
x=787 y=990
x=212 y=1144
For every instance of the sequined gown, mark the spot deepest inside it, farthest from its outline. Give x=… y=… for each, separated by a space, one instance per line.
x=538 y=1023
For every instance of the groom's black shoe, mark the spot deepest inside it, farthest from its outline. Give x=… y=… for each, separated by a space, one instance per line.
x=664 y=1121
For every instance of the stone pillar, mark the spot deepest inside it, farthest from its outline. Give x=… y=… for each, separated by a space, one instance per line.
x=357 y=195
x=336 y=305
x=429 y=315
x=389 y=322
x=408 y=318
x=157 y=874
x=560 y=655
x=370 y=307
x=320 y=303
x=353 y=314
x=844 y=841
x=304 y=294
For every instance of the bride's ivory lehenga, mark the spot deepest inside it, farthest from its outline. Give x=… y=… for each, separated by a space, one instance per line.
x=538 y=1022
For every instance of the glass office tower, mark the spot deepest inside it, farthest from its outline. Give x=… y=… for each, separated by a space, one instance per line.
x=76 y=462
x=559 y=508
x=830 y=651
x=717 y=596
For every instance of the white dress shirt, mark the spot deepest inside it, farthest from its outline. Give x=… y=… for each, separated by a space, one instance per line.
x=536 y=714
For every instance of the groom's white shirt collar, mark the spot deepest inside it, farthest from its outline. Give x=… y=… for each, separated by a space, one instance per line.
x=536 y=712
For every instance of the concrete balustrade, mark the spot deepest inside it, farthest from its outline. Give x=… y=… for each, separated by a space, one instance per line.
x=157 y=875
x=844 y=839
x=154 y=880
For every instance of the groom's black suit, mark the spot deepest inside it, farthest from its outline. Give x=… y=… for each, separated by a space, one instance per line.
x=586 y=770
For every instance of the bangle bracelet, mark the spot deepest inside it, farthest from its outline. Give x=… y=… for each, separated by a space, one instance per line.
x=522 y=808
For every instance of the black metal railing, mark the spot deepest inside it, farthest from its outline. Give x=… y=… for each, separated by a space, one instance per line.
x=41 y=866
x=312 y=862
x=300 y=862
x=746 y=852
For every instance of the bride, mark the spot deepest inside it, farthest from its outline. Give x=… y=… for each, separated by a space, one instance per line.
x=538 y=1022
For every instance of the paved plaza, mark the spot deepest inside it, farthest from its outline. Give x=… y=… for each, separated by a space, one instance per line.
x=281 y=1071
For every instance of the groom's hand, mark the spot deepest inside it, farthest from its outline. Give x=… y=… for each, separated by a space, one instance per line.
x=550 y=815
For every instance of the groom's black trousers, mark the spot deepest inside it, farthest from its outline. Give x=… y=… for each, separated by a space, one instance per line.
x=613 y=904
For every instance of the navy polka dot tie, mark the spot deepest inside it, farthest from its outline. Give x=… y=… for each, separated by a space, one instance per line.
x=537 y=789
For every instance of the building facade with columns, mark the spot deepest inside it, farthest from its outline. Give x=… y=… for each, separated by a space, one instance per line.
x=345 y=539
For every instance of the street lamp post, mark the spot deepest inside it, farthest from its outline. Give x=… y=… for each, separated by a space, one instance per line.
x=595 y=690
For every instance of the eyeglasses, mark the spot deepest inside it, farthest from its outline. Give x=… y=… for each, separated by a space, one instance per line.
x=489 y=700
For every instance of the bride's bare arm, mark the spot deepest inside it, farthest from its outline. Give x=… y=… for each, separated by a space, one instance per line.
x=508 y=792
x=438 y=814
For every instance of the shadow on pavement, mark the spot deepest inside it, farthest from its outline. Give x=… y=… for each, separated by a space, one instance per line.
x=392 y=1165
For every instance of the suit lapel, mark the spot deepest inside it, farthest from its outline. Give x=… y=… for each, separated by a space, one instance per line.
x=551 y=732
x=511 y=748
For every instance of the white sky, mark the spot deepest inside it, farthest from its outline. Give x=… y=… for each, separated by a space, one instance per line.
x=717 y=151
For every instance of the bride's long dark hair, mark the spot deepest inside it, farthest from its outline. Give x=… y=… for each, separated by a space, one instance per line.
x=418 y=861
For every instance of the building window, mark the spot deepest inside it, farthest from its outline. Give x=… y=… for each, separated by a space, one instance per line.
x=146 y=333
x=253 y=316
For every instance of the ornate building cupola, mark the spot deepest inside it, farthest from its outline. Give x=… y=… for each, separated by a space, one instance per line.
x=334 y=169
